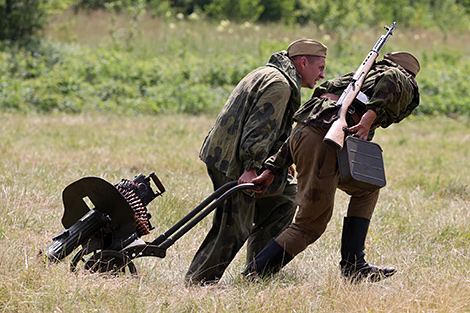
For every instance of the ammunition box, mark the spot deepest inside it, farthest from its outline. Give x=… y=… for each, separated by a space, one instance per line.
x=361 y=164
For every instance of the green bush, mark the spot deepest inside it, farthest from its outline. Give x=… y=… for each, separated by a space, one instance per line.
x=57 y=78
x=24 y=18
x=444 y=84
x=19 y=19
x=45 y=77
x=278 y=10
x=234 y=9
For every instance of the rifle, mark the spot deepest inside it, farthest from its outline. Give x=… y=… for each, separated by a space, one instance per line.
x=335 y=135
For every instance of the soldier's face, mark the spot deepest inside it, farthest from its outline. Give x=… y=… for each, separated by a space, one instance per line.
x=312 y=71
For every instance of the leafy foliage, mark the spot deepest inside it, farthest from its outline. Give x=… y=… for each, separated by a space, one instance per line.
x=23 y=18
x=446 y=92
x=51 y=77
x=189 y=68
x=20 y=18
x=238 y=10
x=48 y=78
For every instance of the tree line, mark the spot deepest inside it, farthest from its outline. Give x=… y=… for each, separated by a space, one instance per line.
x=24 y=18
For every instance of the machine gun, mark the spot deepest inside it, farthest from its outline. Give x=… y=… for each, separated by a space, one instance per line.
x=107 y=222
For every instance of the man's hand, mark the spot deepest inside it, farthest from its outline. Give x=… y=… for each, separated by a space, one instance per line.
x=247 y=176
x=292 y=171
x=265 y=179
x=330 y=96
x=361 y=129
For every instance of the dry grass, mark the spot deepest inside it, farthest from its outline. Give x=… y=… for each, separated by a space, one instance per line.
x=421 y=224
x=156 y=35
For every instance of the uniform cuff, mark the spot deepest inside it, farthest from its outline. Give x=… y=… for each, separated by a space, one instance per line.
x=251 y=164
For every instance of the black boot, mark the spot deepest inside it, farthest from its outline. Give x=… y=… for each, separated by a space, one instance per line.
x=353 y=265
x=269 y=261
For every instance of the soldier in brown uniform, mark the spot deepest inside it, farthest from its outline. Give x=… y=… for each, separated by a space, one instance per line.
x=392 y=95
x=253 y=124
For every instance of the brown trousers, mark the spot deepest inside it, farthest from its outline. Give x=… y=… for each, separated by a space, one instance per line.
x=317 y=181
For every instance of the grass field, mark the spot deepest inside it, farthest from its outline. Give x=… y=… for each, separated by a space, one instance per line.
x=421 y=224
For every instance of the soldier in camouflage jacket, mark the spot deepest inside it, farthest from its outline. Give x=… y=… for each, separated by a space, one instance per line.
x=253 y=124
x=392 y=94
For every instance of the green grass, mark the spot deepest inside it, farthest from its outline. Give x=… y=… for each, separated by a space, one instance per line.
x=421 y=223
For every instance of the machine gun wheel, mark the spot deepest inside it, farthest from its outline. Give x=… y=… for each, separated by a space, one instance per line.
x=109 y=261
x=77 y=257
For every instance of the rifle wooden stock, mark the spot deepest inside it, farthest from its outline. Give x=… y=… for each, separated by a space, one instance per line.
x=335 y=135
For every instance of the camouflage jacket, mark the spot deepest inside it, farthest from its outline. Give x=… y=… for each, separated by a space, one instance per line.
x=256 y=119
x=393 y=94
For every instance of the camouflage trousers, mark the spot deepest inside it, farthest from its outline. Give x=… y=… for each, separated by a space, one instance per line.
x=241 y=218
